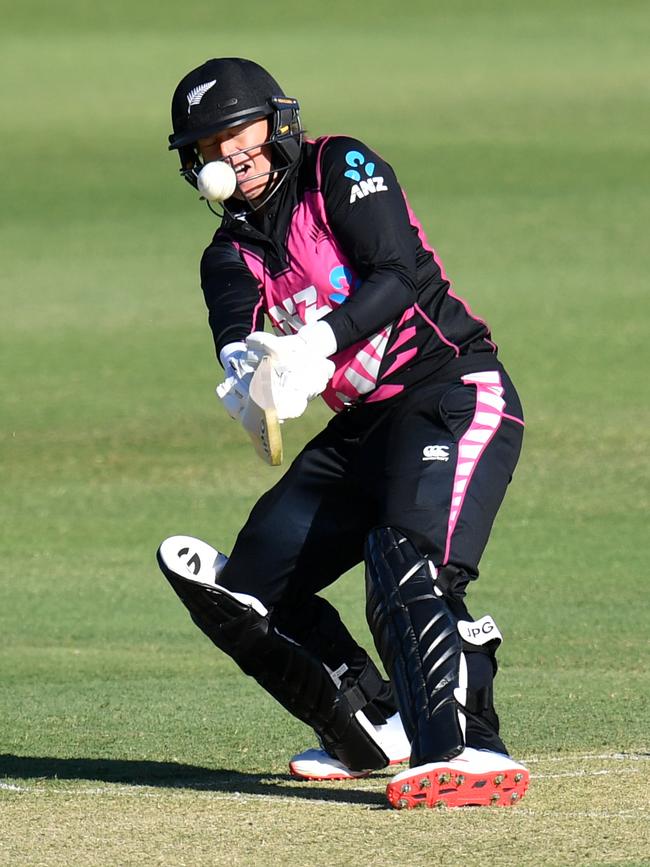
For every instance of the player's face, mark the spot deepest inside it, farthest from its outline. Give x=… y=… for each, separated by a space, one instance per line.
x=243 y=147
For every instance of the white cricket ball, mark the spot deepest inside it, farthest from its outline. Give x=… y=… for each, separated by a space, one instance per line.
x=216 y=181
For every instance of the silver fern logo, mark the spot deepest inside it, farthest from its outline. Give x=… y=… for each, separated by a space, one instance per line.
x=195 y=95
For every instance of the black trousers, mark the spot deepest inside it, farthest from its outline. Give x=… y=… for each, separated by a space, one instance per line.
x=434 y=463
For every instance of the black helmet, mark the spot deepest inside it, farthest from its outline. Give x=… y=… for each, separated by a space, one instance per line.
x=226 y=92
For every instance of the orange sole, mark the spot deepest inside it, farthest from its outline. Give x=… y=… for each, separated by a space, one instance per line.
x=448 y=787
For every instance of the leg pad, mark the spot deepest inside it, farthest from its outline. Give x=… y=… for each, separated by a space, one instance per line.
x=416 y=635
x=293 y=675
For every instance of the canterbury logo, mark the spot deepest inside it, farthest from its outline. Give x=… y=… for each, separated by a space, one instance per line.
x=195 y=95
x=435 y=453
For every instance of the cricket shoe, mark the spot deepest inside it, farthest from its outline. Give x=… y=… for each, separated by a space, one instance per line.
x=318 y=764
x=475 y=777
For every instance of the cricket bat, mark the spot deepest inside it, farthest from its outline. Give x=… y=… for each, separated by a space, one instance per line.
x=260 y=418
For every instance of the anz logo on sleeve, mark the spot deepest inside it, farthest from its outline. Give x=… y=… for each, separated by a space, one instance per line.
x=363 y=186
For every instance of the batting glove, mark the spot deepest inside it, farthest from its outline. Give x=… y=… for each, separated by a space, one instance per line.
x=300 y=363
x=239 y=369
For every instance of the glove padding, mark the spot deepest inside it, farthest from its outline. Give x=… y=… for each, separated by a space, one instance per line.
x=300 y=371
x=233 y=391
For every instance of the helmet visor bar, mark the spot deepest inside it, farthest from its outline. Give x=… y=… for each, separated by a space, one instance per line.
x=177 y=140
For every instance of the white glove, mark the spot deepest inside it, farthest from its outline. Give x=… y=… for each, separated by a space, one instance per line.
x=300 y=365
x=233 y=391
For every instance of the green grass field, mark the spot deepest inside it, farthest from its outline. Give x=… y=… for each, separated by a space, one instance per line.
x=519 y=130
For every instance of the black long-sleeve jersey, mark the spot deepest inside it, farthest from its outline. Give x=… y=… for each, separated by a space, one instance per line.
x=338 y=241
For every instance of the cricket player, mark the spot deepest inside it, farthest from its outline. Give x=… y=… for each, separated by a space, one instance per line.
x=408 y=476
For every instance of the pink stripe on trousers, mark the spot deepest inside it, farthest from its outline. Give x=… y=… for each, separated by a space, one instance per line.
x=488 y=415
